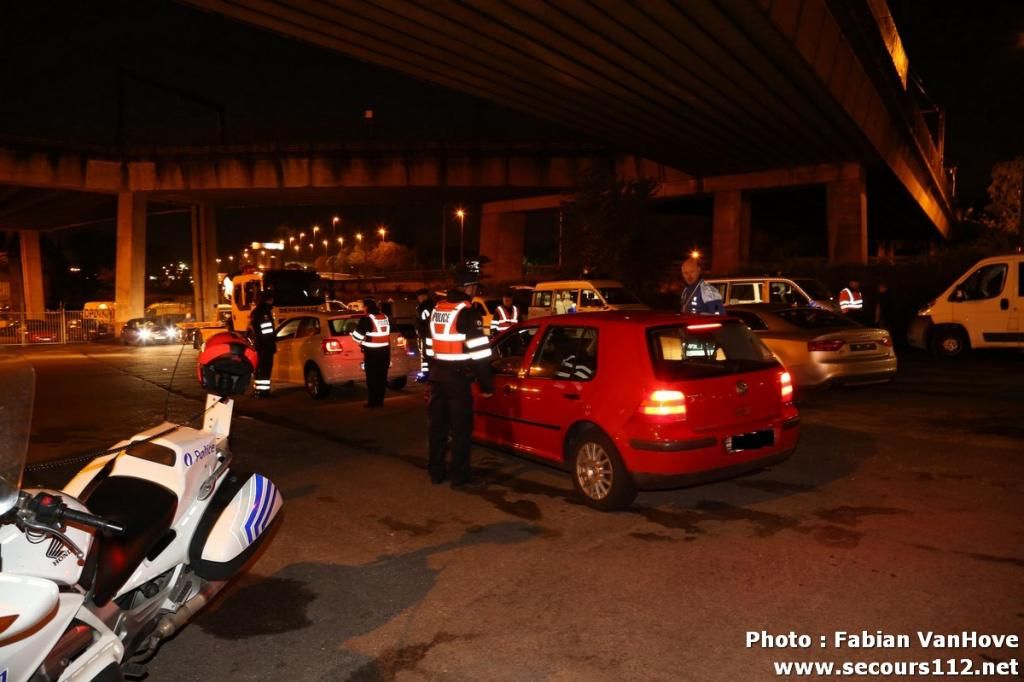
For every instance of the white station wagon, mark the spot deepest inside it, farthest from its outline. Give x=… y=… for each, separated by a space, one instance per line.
x=317 y=350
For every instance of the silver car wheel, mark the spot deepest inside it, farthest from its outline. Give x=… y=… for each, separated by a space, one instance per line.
x=951 y=345
x=594 y=471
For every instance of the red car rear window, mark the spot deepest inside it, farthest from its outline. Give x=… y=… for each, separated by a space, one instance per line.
x=702 y=349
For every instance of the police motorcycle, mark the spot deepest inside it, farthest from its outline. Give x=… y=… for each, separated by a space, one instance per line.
x=95 y=576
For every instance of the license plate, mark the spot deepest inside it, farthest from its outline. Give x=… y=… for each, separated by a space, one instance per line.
x=862 y=346
x=750 y=441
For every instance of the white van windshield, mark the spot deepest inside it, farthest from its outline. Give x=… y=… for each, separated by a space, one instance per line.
x=618 y=296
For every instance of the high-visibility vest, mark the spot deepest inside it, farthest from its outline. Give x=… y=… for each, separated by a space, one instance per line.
x=850 y=300
x=502 y=320
x=262 y=324
x=446 y=343
x=379 y=336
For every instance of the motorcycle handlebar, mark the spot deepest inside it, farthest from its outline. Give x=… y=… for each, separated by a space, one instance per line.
x=90 y=520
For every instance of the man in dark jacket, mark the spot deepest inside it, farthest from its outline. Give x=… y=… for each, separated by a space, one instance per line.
x=373 y=334
x=261 y=331
x=459 y=353
x=698 y=296
x=424 y=306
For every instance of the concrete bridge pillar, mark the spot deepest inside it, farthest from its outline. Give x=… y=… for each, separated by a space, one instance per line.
x=502 y=236
x=130 y=276
x=31 y=260
x=730 y=238
x=204 y=262
x=847 y=216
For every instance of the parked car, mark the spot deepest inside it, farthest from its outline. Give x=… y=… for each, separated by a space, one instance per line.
x=797 y=291
x=29 y=331
x=983 y=308
x=317 y=351
x=820 y=347
x=141 y=331
x=581 y=296
x=638 y=401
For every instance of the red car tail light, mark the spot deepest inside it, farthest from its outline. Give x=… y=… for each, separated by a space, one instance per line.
x=786 y=385
x=664 y=403
x=887 y=341
x=331 y=346
x=831 y=345
x=703 y=326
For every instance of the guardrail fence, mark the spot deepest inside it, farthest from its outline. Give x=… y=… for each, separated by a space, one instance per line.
x=64 y=326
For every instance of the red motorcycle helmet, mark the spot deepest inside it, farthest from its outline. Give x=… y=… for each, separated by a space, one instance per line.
x=226 y=364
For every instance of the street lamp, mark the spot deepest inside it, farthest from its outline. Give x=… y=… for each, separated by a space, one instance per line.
x=325 y=247
x=341 y=241
x=334 y=224
x=461 y=215
x=359 y=237
x=383 y=232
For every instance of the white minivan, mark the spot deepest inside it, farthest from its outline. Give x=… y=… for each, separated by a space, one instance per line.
x=983 y=308
x=579 y=295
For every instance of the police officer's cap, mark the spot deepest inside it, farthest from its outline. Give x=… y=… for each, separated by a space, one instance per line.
x=465 y=278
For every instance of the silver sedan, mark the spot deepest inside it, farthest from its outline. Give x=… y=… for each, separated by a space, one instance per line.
x=820 y=347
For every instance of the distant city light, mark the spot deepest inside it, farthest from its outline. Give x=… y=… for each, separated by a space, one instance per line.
x=74 y=268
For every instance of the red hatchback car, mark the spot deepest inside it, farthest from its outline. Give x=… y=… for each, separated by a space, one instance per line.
x=629 y=401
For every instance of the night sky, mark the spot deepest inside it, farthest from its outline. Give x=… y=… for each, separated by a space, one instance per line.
x=59 y=66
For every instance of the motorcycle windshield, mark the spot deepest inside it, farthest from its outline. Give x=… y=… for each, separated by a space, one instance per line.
x=17 y=386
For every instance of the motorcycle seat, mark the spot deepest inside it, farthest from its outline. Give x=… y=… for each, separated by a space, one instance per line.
x=146 y=510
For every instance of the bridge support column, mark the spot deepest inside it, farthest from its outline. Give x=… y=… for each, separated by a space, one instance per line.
x=847 y=216
x=204 y=262
x=130 y=282
x=31 y=261
x=730 y=238
x=502 y=238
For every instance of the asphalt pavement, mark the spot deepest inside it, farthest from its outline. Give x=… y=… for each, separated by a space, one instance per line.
x=901 y=511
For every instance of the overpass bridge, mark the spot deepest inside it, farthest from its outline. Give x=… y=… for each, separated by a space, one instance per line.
x=712 y=97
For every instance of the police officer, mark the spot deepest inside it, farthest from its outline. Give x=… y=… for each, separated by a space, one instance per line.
x=698 y=296
x=505 y=315
x=261 y=330
x=373 y=334
x=424 y=306
x=851 y=300
x=458 y=353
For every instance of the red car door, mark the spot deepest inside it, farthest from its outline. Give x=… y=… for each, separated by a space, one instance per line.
x=559 y=382
x=492 y=422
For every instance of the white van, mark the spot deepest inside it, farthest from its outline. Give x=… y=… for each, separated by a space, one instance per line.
x=983 y=308
x=578 y=296
x=799 y=291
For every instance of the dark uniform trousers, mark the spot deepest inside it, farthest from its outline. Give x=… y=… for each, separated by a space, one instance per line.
x=264 y=362
x=376 y=362
x=451 y=411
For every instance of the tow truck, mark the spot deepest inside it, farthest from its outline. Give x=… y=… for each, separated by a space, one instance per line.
x=295 y=291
